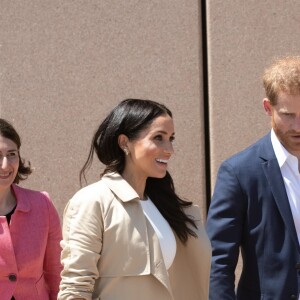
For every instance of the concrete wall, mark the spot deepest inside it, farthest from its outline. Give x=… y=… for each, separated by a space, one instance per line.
x=243 y=37
x=65 y=64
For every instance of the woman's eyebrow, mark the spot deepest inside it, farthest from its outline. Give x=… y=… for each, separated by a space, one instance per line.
x=164 y=132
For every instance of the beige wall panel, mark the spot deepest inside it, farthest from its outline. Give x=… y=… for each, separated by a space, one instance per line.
x=243 y=37
x=65 y=64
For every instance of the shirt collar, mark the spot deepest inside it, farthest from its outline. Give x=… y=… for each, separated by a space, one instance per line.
x=119 y=186
x=281 y=153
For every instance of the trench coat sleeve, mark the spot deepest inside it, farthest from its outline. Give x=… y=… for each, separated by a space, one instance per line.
x=81 y=247
x=52 y=265
x=224 y=227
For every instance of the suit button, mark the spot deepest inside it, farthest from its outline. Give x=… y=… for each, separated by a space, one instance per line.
x=12 y=277
x=297 y=266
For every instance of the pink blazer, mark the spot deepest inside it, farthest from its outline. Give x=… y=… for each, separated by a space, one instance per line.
x=29 y=248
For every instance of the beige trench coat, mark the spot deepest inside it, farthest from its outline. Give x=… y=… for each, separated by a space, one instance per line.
x=111 y=252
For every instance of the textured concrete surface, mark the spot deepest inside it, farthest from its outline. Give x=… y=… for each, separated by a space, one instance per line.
x=243 y=37
x=65 y=64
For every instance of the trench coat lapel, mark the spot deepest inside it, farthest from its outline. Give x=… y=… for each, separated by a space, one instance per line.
x=126 y=194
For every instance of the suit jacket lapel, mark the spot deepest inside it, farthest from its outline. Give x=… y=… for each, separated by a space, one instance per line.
x=274 y=177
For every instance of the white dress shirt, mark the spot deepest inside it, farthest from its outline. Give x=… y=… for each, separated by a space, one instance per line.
x=163 y=230
x=288 y=164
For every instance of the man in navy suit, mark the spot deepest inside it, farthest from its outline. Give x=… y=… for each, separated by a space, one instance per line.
x=256 y=202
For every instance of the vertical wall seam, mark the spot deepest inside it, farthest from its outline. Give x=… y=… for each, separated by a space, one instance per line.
x=206 y=101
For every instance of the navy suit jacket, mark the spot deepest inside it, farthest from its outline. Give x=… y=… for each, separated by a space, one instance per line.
x=250 y=209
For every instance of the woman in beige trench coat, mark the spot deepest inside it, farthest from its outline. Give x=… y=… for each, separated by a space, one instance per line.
x=129 y=236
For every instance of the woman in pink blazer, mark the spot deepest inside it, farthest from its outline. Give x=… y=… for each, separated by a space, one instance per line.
x=30 y=229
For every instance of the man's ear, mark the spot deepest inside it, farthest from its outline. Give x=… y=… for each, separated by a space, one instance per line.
x=267 y=106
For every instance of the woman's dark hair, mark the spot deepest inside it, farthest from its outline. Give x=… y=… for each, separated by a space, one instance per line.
x=130 y=117
x=8 y=131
